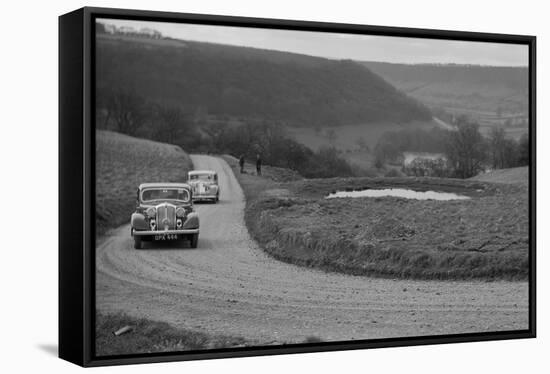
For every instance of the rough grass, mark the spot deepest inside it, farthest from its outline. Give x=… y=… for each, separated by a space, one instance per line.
x=509 y=176
x=485 y=237
x=122 y=163
x=151 y=337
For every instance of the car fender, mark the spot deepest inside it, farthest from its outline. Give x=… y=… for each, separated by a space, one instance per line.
x=192 y=221
x=138 y=222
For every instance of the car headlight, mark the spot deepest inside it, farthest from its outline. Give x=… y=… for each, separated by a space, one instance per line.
x=151 y=212
x=180 y=212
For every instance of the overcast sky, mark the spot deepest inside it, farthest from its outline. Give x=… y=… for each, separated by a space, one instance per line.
x=346 y=46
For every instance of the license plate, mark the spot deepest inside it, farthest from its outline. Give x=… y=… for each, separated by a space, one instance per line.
x=166 y=237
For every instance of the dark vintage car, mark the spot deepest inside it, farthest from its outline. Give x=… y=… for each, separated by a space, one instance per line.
x=164 y=212
x=204 y=184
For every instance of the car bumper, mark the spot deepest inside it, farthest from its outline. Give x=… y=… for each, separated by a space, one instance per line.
x=203 y=197
x=166 y=232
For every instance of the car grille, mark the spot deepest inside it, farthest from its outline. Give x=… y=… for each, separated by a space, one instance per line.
x=166 y=217
x=202 y=189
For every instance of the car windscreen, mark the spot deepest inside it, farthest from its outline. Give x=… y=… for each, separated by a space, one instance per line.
x=202 y=177
x=176 y=194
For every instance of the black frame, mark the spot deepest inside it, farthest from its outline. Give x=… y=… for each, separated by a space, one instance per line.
x=77 y=185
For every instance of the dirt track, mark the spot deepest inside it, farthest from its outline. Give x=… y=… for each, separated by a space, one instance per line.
x=228 y=285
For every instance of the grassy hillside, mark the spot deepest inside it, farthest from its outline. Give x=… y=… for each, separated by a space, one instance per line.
x=485 y=237
x=510 y=176
x=239 y=82
x=490 y=94
x=122 y=163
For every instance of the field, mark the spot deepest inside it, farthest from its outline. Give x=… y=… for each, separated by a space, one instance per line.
x=122 y=163
x=510 y=176
x=489 y=120
x=485 y=237
x=151 y=337
x=346 y=138
x=491 y=95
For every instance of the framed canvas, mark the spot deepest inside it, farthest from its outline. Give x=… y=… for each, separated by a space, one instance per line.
x=237 y=186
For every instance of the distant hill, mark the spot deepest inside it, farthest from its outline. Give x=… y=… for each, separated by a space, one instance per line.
x=241 y=82
x=490 y=94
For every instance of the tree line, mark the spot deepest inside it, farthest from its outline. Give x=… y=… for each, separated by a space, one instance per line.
x=466 y=151
x=127 y=112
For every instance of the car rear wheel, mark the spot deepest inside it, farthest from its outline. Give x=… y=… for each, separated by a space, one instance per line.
x=194 y=240
x=137 y=242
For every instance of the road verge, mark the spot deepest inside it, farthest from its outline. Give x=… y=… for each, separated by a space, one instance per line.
x=146 y=336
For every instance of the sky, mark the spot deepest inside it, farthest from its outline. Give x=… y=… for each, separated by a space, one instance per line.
x=345 y=46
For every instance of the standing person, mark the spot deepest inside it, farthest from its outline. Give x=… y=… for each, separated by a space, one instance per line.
x=241 y=163
x=258 y=164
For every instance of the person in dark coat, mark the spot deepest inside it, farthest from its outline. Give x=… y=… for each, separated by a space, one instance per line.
x=258 y=164
x=241 y=163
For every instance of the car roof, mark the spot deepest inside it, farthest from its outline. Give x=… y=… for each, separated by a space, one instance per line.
x=160 y=185
x=193 y=172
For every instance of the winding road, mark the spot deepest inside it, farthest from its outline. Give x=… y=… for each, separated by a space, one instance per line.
x=229 y=286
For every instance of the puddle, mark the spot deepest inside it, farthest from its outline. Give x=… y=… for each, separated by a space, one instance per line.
x=400 y=192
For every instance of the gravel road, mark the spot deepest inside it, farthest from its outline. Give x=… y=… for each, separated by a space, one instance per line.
x=229 y=286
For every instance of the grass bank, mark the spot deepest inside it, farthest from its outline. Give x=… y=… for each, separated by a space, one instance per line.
x=148 y=336
x=519 y=175
x=122 y=163
x=485 y=237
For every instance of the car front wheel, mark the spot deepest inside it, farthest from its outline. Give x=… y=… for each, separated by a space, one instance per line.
x=194 y=240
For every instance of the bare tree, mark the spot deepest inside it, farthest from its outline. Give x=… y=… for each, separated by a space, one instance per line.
x=504 y=152
x=497 y=147
x=127 y=110
x=171 y=123
x=466 y=149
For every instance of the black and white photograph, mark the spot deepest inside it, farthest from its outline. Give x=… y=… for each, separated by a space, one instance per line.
x=265 y=187
x=259 y=187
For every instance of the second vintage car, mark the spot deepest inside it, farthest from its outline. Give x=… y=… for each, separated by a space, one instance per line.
x=164 y=212
x=204 y=184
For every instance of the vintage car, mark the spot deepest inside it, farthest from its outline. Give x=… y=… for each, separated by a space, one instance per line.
x=204 y=184
x=164 y=212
